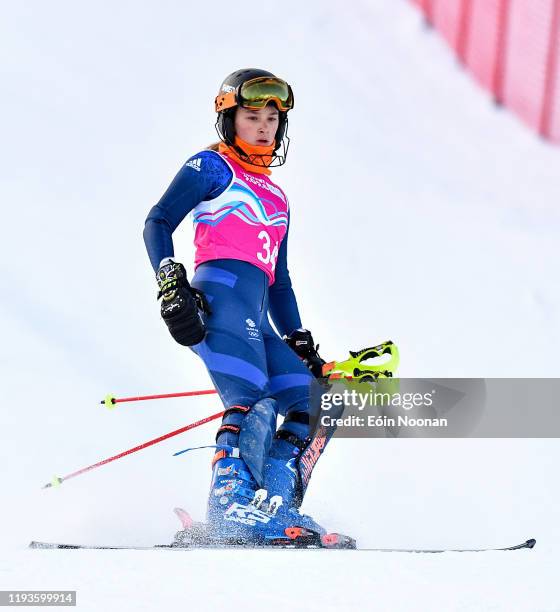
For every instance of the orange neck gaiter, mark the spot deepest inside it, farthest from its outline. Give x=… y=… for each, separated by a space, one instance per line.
x=267 y=154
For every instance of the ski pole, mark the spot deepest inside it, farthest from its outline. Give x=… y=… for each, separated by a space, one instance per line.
x=56 y=481
x=349 y=368
x=111 y=400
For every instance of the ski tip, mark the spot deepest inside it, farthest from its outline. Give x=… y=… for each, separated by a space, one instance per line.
x=184 y=517
x=34 y=544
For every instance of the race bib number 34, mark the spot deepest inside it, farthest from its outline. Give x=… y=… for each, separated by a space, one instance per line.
x=265 y=254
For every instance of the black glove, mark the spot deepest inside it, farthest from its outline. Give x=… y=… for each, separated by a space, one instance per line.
x=180 y=304
x=301 y=342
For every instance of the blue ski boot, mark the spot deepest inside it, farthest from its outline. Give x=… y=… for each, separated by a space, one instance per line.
x=241 y=511
x=291 y=461
x=240 y=508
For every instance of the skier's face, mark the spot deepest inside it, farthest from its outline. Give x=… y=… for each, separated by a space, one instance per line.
x=257 y=127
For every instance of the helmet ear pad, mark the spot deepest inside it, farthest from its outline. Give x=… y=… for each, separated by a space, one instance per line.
x=226 y=126
x=282 y=128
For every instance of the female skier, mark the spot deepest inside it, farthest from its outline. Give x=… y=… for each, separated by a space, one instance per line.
x=241 y=220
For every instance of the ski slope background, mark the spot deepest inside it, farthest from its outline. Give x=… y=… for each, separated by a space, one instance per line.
x=420 y=213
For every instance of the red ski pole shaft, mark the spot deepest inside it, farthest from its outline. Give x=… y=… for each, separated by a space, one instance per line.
x=57 y=481
x=111 y=401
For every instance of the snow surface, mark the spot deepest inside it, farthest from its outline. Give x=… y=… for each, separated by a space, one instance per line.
x=434 y=219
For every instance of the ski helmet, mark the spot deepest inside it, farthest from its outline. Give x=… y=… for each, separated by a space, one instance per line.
x=254 y=88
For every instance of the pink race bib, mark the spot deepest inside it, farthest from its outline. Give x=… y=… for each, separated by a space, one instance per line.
x=247 y=221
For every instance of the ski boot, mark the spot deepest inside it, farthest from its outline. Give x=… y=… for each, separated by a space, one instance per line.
x=240 y=510
x=293 y=455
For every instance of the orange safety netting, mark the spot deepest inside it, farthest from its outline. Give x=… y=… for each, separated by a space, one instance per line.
x=512 y=48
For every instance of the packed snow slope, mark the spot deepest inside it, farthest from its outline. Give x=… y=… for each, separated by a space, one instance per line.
x=420 y=213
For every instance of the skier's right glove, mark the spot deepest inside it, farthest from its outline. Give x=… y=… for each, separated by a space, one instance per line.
x=180 y=304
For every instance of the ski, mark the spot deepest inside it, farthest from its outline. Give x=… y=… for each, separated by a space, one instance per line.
x=527 y=544
x=284 y=546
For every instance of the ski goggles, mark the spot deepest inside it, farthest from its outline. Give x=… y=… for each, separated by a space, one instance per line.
x=257 y=93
